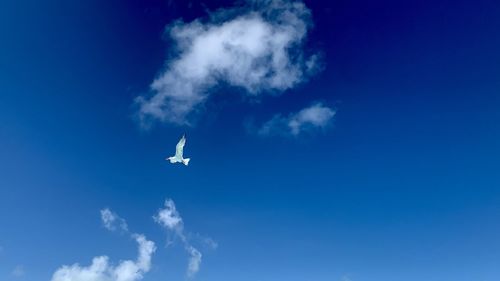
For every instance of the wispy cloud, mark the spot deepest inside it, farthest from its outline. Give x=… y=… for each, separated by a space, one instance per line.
x=194 y=261
x=316 y=116
x=112 y=221
x=170 y=219
x=18 y=271
x=101 y=270
x=257 y=47
x=345 y=277
x=209 y=242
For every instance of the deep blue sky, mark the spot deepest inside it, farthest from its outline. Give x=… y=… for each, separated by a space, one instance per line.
x=404 y=186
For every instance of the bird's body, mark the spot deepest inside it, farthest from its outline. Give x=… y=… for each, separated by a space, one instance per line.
x=178 y=157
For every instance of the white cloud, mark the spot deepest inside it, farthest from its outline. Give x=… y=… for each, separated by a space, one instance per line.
x=194 y=261
x=18 y=271
x=257 y=47
x=102 y=270
x=312 y=117
x=112 y=221
x=170 y=219
x=169 y=216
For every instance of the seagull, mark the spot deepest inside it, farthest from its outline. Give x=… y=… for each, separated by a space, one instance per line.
x=178 y=152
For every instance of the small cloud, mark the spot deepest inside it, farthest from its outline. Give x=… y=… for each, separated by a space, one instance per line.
x=210 y=243
x=194 y=261
x=18 y=271
x=257 y=47
x=112 y=221
x=316 y=116
x=101 y=270
x=169 y=216
x=171 y=220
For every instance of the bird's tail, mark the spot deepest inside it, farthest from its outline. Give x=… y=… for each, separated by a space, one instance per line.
x=185 y=161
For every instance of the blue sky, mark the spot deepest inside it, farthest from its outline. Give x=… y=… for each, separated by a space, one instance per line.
x=397 y=181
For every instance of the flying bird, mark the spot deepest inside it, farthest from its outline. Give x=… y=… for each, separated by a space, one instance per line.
x=178 y=158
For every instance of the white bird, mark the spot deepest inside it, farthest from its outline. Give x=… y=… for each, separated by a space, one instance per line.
x=178 y=158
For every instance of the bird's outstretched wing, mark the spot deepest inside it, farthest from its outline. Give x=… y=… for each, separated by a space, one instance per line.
x=180 y=147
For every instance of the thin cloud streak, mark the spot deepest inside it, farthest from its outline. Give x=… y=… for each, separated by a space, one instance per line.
x=170 y=219
x=316 y=116
x=111 y=221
